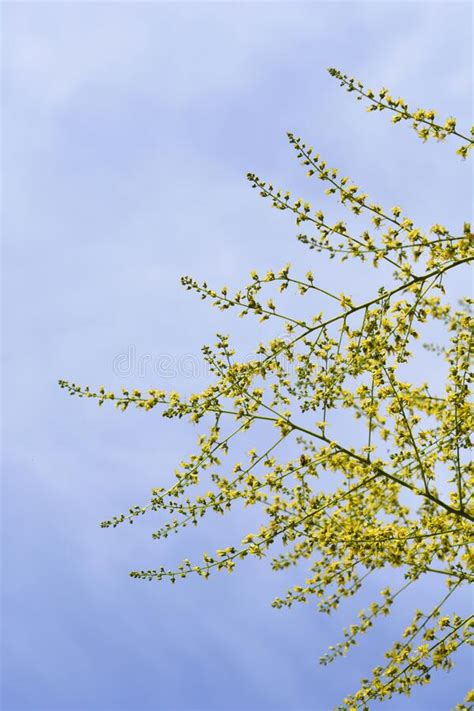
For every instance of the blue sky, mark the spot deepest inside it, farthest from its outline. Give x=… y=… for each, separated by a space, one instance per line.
x=127 y=132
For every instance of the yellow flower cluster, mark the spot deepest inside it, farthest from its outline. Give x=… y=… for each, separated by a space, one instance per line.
x=402 y=498
x=423 y=120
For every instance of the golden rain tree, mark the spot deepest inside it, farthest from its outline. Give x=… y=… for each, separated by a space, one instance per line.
x=399 y=499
